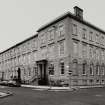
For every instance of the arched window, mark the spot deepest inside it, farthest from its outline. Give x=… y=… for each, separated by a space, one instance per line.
x=75 y=67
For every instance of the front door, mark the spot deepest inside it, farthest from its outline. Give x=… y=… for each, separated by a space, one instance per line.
x=42 y=80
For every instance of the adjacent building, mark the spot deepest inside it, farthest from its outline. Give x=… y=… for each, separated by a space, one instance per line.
x=67 y=50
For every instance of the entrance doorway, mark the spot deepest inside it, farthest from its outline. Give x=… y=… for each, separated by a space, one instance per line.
x=42 y=72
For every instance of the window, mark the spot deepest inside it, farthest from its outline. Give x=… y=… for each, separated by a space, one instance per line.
x=91 y=69
x=61 y=30
x=102 y=40
x=75 y=67
x=24 y=48
x=97 y=54
x=51 y=69
x=84 y=34
x=43 y=39
x=84 y=68
x=51 y=51
x=34 y=55
x=90 y=52
x=97 y=69
x=62 y=67
x=84 y=50
x=61 y=48
x=29 y=58
x=35 y=71
x=102 y=54
x=97 y=38
x=51 y=34
x=43 y=52
x=102 y=69
x=74 y=29
x=34 y=44
x=94 y=53
x=91 y=81
x=75 y=46
x=97 y=81
x=103 y=81
x=91 y=36
x=29 y=71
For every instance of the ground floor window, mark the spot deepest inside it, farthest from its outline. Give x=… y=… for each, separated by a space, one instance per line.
x=102 y=69
x=103 y=81
x=97 y=69
x=75 y=67
x=36 y=70
x=62 y=67
x=84 y=81
x=91 y=69
x=97 y=81
x=51 y=69
x=84 y=68
x=91 y=81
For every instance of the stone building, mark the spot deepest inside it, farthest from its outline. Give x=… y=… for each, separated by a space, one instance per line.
x=67 y=50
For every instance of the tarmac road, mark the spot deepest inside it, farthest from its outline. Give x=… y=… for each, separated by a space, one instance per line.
x=29 y=96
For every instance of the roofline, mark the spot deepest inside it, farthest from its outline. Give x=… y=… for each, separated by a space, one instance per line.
x=69 y=14
x=19 y=43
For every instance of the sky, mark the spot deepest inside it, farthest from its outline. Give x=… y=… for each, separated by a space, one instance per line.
x=20 y=19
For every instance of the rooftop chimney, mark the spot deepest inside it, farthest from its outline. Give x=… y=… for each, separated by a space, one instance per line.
x=78 y=12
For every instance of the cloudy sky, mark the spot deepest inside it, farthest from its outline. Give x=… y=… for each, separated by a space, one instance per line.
x=20 y=19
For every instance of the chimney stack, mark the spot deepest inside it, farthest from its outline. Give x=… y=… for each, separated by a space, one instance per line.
x=78 y=12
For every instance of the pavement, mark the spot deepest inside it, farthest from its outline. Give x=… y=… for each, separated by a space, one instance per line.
x=51 y=88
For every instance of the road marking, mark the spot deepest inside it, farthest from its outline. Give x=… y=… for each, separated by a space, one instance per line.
x=98 y=95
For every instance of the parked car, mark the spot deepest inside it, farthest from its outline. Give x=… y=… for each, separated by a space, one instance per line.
x=4 y=83
x=13 y=83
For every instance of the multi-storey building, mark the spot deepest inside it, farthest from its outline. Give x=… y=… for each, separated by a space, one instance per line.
x=66 y=44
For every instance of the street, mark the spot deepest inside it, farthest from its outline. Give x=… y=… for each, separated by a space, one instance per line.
x=29 y=96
